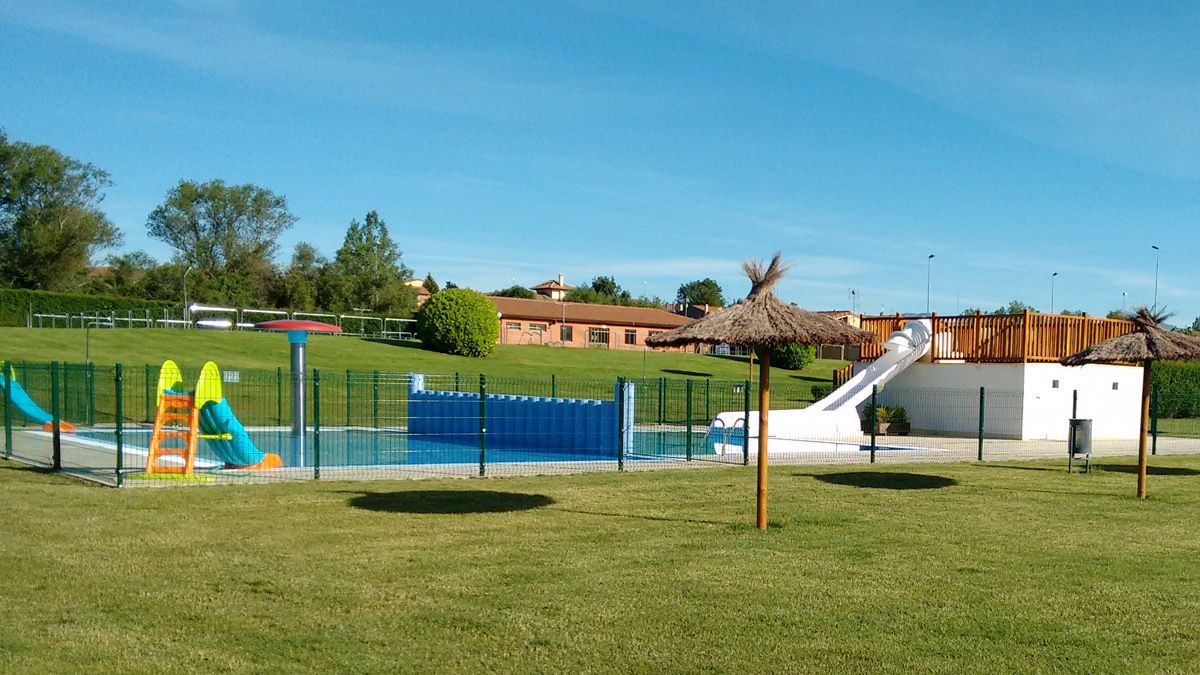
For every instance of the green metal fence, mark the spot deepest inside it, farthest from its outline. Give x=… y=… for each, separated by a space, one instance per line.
x=359 y=424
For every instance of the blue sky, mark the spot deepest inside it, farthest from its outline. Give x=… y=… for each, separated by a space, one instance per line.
x=660 y=143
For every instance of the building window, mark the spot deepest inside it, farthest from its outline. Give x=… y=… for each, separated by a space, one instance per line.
x=597 y=336
x=537 y=327
x=1054 y=384
x=513 y=325
x=630 y=337
x=1114 y=386
x=567 y=333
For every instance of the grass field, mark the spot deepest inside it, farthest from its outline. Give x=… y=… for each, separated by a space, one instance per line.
x=268 y=351
x=947 y=568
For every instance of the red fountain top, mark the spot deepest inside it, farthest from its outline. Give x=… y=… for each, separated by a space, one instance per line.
x=299 y=324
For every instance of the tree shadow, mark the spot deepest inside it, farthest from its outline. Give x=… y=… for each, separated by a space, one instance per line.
x=885 y=480
x=686 y=373
x=636 y=516
x=448 y=501
x=393 y=342
x=1150 y=470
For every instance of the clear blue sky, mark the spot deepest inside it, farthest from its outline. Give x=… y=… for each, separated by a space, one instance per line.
x=514 y=141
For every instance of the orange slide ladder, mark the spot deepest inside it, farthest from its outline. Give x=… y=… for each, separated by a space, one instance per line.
x=177 y=420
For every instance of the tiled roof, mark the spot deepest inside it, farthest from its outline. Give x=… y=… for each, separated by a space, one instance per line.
x=553 y=285
x=602 y=315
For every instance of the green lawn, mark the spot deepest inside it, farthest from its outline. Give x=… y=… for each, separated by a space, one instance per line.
x=135 y=347
x=946 y=568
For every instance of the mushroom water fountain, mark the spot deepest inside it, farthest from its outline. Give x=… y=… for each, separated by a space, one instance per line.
x=297 y=334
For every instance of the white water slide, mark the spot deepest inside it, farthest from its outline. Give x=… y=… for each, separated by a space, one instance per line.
x=836 y=415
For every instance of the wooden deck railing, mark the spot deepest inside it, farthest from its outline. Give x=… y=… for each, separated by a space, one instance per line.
x=1013 y=338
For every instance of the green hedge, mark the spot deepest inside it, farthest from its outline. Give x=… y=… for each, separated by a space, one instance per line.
x=15 y=304
x=1178 y=384
x=459 y=321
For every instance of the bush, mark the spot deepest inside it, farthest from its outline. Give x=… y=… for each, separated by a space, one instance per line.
x=886 y=413
x=820 y=391
x=16 y=302
x=1178 y=385
x=793 y=356
x=459 y=321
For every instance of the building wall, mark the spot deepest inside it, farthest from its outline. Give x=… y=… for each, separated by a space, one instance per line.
x=523 y=332
x=1021 y=400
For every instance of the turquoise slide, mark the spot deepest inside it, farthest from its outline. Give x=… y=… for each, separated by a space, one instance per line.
x=24 y=405
x=238 y=450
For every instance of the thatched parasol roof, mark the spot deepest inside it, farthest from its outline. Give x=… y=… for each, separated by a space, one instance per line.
x=1149 y=342
x=763 y=319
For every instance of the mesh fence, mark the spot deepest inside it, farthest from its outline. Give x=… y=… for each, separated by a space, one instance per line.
x=374 y=424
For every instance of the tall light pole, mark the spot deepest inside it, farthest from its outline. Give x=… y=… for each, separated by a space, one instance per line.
x=1123 y=294
x=1052 y=276
x=928 y=278
x=1156 y=253
x=187 y=312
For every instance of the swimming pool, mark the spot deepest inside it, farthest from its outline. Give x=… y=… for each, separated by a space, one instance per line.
x=356 y=446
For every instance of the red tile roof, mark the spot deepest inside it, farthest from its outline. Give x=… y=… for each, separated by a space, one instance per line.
x=604 y=315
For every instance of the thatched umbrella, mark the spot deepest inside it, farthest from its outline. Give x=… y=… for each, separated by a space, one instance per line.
x=1149 y=343
x=762 y=321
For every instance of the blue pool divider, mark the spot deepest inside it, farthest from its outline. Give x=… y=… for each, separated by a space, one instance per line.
x=576 y=425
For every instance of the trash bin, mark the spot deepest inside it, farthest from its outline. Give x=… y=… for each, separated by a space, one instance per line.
x=1079 y=443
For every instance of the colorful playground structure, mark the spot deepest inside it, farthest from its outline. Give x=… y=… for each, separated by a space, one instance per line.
x=25 y=404
x=187 y=416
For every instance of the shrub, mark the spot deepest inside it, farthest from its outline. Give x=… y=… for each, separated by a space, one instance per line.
x=820 y=391
x=886 y=413
x=15 y=304
x=793 y=356
x=459 y=321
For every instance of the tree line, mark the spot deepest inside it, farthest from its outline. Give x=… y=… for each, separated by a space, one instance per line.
x=224 y=240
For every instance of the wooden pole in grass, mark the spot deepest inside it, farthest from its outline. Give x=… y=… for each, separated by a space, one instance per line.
x=764 y=407
x=1145 y=424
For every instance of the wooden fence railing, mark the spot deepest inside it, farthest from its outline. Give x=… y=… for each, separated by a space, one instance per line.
x=1012 y=338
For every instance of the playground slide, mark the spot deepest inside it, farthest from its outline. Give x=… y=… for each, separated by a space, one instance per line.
x=25 y=405
x=837 y=413
x=236 y=449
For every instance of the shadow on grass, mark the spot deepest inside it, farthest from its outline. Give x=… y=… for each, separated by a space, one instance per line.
x=884 y=480
x=1015 y=467
x=393 y=342
x=686 y=373
x=448 y=501
x=1150 y=470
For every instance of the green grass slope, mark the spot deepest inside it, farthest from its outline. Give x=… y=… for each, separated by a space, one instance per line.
x=920 y=568
x=269 y=350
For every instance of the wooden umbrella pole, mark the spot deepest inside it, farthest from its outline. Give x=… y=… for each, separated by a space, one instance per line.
x=1146 y=383
x=764 y=405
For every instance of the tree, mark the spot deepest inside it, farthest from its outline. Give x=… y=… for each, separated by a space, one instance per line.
x=50 y=221
x=430 y=284
x=1117 y=314
x=515 y=292
x=701 y=292
x=449 y=285
x=603 y=290
x=370 y=272
x=1014 y=307
x=459 y=321
x=228 y=233
x=128 y=270
x=301 y=285
x=1072 y=312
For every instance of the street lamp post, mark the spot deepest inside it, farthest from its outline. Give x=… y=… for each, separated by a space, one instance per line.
x=1052 y=276
x=1123 y=294
x=928 y=278
x=1156 y=253
x=187 y=311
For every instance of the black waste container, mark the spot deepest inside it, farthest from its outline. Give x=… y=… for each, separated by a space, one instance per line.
x=1080 y=438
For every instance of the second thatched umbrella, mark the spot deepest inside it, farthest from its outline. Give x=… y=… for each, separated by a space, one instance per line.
x=762 y=321
x=1149 y=343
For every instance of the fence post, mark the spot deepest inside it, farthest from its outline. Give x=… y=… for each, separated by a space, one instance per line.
x=746 y=423
x=90 y=369
x=689 y=420
x=456 y=382
x=375 y=398
x=54 y=420
x=316 y=418
x=279 y=396
x=8 y=375
x=662 y=400
x=708 y=400
x=874 y=419
x=1154 y=418
x=347 y=397
x=64 y=386
x=979 y=456
x=119 y=421
x=553 y=385
x=149 y=395
x=620 y=424
x=482 y=424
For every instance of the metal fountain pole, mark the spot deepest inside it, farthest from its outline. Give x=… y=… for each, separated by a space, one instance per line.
x=297 y=339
